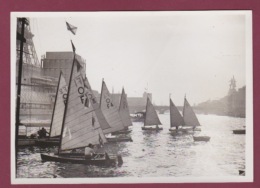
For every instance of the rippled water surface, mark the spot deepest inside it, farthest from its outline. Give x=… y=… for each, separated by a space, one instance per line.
x=153 y=154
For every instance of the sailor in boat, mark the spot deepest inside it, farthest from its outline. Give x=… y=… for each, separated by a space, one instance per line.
x=89 y=151
x=42 y=133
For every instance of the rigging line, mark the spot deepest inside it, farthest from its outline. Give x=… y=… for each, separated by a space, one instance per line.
x=39 y=38
x=24 y=52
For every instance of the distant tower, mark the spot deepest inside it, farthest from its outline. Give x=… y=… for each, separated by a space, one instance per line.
x=31 y=65
x=30 y=56
x=231 y=97
x=232 y=86
x=145 y=95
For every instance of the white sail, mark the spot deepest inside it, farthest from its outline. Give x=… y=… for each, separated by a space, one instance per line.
x=94 y=102
x=110 y=111
x=189 y=117
x=58 y=111
x=175 y=116
x=151 y=117
x=80 y=126
x=124 y=110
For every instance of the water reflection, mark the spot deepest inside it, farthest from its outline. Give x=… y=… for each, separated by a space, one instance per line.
x=153 y=154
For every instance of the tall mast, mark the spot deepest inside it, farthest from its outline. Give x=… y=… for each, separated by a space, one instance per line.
x=64 y=115
x=101 y=93
x=55 y=104
x=18 y=98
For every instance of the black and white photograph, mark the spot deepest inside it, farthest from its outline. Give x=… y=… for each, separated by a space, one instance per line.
x=131 y=97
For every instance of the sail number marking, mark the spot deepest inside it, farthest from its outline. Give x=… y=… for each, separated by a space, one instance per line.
x=108 y=101
x=63 y=91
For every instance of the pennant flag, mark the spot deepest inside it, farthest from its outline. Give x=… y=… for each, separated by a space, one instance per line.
x=71 y=28
x=73 y=47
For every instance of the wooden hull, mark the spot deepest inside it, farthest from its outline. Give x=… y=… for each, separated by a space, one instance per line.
x=121 y=132
x=43 y=142
x=26 y=142
x=175 y=131
x=239 y=131
x=98 y=160
x=201 y=138
x=120 y=139
x=197 y=129
x=184 y=129
x=47 y=143
x=152 y=128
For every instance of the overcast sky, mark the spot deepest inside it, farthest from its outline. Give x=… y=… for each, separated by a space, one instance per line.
x=196 y=53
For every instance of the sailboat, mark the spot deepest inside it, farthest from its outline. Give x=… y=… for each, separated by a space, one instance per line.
x=57 y=115
x=151 y=118
x=191 y=121
x=176 y=119
x=239 y=131
x=124 y=114
x=112 y=116
x=80 y=125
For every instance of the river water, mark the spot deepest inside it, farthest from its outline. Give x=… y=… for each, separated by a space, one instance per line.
x=155 y=154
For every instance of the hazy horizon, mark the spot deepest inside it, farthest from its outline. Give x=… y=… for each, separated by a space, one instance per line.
x=194 y=53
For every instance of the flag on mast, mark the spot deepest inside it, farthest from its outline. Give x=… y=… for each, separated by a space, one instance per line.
x=73 y=47
x=71 y=28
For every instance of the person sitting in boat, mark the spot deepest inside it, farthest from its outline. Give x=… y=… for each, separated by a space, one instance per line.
x=42 y=133
x=89 y=151
x=34 y=135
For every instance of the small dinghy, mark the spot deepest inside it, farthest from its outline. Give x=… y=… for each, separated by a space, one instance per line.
x=239 y=131
x=151 y=118
x=97 y=159
x=152 y=128
x=125 y=116
x=201 y=138
x=176 y=119
x=82 y=124
x=122 y=132
x=57 y=116
x=117 y=119
x=119 y=139
x=190 y=119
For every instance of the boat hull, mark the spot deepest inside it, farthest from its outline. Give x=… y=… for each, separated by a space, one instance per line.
x=201 y=138
x=97 y=161
x=190 y=129
x=152 y=128
x=26 y=142
x=120 y=139
x=121 y=132
x=47 y=143
x=175 y=131
x=239 y=131
x=197 y=129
